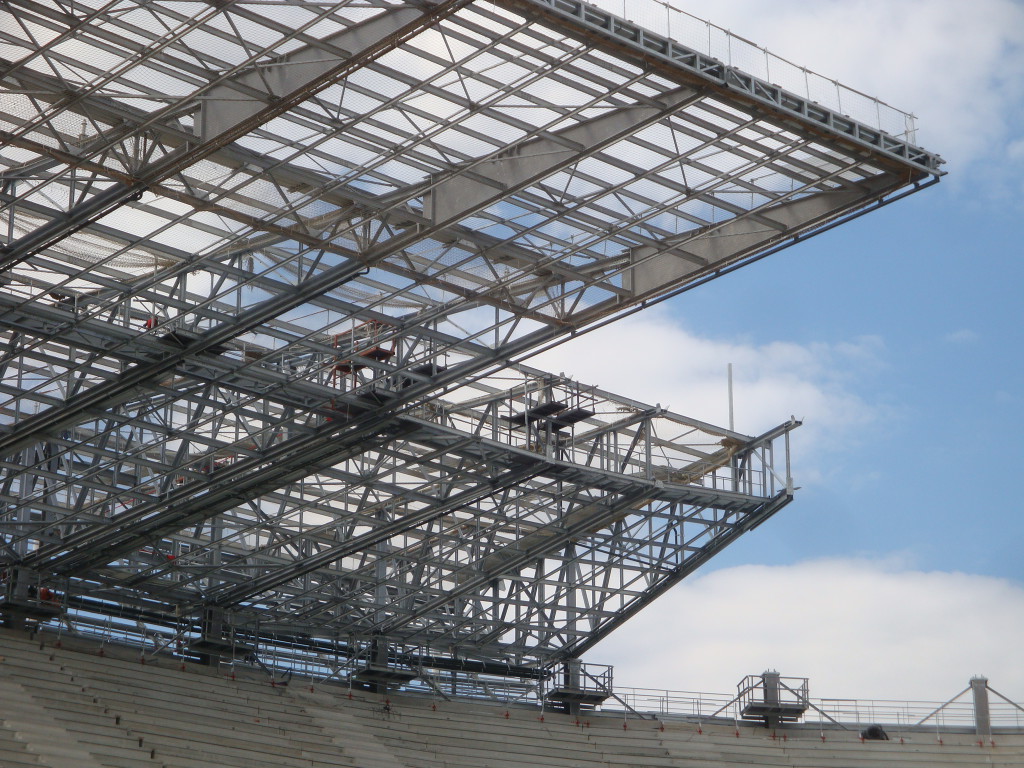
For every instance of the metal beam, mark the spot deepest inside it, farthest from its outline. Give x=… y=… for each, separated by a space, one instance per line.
x=688 y=566
x=226 y=128
x=607 y=29
x=525 y=162
x=241 y=98
x=704 y=251
x=243 y=592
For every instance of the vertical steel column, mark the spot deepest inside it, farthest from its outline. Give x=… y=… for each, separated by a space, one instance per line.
x=772 y=683
x=573 y=682
x=982 y=717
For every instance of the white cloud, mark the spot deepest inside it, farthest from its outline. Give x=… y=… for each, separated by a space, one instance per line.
x=653 y=359
x=856 y=628
x=962 y=336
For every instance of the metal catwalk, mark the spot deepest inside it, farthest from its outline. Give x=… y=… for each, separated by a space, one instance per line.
x=270 y=271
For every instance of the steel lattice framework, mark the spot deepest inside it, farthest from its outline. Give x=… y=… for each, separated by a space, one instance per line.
x=270 y=271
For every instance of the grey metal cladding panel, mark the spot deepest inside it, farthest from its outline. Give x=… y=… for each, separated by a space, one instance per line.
x=593 y=21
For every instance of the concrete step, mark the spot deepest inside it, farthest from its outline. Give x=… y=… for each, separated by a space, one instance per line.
x=33 y=725
x=355 y=739
x=14 y=753
x=118 y=713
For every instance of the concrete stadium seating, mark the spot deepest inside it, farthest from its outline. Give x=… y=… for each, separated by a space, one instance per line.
x=66 y=706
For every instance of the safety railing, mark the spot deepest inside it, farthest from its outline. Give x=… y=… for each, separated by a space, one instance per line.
x=941 y=715
x=735 y=51
x=319 y=665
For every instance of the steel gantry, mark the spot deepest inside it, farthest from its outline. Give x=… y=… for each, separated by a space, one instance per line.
x=270 y=273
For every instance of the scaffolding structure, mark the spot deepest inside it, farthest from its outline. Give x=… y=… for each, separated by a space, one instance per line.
x=269 y=276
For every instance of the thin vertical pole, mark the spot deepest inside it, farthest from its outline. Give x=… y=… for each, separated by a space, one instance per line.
x=732 y=425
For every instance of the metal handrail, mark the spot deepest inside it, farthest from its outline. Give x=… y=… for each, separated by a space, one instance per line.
x=1004 y=712
x=663 y=17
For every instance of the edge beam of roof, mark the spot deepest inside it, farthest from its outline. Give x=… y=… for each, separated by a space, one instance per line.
x=591 y=21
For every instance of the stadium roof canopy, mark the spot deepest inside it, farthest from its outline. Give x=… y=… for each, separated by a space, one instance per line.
x=269 y=272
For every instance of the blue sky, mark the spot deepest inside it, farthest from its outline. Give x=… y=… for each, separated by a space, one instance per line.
x=933 y=470
x=898 y=339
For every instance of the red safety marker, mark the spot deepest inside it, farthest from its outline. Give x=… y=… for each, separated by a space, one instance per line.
x=507 y=715
x=541 y=718
x=700 y=731
x=625 y=725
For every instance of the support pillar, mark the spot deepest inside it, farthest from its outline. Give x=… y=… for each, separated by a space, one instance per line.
x=378 y=658
x=572 y=682
x=17 y=594
x=772 y=683
x=26 y=599
x=213 y=634
x=216 y=642
x=982 y=717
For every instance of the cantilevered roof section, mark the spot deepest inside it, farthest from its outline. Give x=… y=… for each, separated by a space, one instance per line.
x=256 y=254
x=539 y=157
